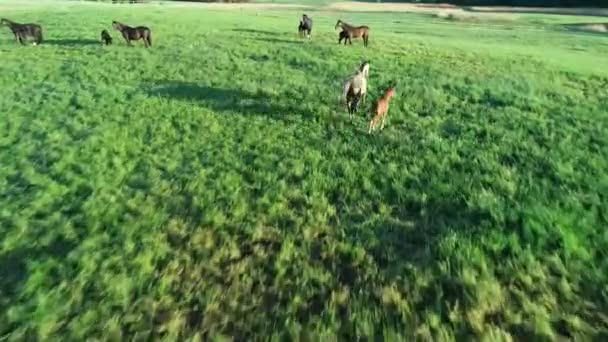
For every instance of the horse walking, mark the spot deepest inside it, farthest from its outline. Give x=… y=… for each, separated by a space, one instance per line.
x=134 y=33
x=381 y=110
x=353 y=32
x=305 y=27
x=23 y=31
x=355 y=89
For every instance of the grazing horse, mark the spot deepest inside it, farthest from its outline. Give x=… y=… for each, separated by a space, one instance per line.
x=134 y=33
x=381 y=110
x=355 y=89
x=106 y=38
x=305 y=26
x=22 y=31
x=353 y=32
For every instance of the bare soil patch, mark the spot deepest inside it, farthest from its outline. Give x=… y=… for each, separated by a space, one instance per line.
x=444 y=9
x=589 y=27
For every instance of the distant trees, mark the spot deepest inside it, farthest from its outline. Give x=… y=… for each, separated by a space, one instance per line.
x=529 y=3
x=230 y=1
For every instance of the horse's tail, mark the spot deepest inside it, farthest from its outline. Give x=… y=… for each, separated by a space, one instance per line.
x=149 y=38
x=345 y=90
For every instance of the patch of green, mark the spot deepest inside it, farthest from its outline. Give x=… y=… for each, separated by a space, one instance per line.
x=212 y=187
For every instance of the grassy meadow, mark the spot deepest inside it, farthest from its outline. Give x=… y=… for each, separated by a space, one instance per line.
x=212 y=187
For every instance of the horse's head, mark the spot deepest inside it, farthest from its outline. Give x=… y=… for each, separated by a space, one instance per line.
x=4 y=21
x=116 y=25
x=338 y=24
x=391 y=92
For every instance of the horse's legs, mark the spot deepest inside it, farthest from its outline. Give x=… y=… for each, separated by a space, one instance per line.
x=21 y=40
x=382 y=124
x=371 y=126
x=126 y=37
x=350 y=41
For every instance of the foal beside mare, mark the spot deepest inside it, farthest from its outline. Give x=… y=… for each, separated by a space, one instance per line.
x=381 y=110
x=22 y=31
x=106 y=38
x=305 y=26
x=134 y=33
x=353 y=32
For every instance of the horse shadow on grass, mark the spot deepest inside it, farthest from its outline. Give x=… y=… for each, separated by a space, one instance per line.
x=13 y=264
x=72 y=42
x=254 y=31
x=236 y=101
x=276 y=40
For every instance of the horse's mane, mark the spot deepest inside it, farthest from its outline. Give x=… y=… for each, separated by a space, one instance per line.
x=6 y=21
x=348 y=26
x=344 y=24
x=120 y=25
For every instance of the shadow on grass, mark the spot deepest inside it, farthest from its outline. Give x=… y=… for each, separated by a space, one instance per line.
x=277 y=40
x=13 y=265
x=71 y=42
x=269 y=33
x=231 y=100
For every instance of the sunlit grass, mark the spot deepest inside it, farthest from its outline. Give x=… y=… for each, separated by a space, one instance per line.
x=212 y=186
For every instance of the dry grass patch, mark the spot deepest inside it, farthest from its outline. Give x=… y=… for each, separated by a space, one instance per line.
x=589 y=27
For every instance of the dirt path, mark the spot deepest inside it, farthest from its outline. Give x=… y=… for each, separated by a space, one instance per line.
x=446 y=9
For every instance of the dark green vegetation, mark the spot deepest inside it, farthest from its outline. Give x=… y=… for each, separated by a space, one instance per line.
x=211 y=185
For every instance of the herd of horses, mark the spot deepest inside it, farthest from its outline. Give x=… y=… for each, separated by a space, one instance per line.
x=354 y=90
x=24 y=31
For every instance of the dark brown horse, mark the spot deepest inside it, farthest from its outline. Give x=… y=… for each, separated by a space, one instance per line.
x=134 y=33
x=22 y=31
x=106 y=39
x=353 y=32
x=305 y=27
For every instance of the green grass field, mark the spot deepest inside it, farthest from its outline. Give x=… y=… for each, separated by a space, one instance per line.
x=213 y=187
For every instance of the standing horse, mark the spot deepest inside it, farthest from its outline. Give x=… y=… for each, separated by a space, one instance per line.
x=22 y=31
x=355 y=89
x=134 y=33
x=353 y=32
x=305 y=26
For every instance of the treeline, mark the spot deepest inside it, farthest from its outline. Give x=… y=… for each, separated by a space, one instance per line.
x=521 y=3
x=144 y=1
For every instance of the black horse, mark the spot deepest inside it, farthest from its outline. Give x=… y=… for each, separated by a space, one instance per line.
x=106 y=38
x=305 y=26
x=134 y=33
x=343 y=35
x=23 y=31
